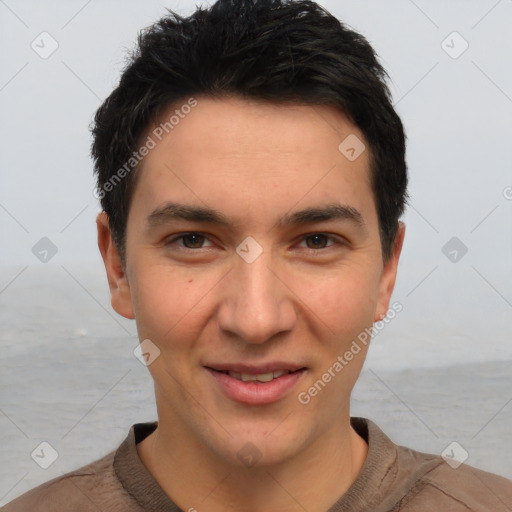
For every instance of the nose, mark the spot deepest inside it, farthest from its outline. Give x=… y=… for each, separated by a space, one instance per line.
x=257 y=304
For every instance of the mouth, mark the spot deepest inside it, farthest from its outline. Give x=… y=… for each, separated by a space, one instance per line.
x=256 y=385
x=256 y=377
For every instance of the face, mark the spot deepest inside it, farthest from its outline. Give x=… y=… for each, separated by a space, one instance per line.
x=252 y=251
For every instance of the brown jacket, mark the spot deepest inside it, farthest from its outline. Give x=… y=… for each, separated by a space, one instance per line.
x=393 y=478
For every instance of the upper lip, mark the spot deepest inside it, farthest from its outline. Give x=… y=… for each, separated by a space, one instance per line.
x=253 y=369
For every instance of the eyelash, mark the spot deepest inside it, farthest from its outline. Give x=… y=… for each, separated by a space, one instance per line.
x=334 y=239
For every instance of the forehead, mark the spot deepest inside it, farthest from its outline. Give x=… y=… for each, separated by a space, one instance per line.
x=250 y=158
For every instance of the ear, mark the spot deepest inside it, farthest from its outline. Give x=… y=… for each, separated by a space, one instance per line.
x=388 y=278
x=120 y=295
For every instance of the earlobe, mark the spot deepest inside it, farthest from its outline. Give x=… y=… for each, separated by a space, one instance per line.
x=388 y=279
x=120 y=293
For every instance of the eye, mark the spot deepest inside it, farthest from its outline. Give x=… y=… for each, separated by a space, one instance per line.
x=193 y=241
x=190 y=241
x=317 y=241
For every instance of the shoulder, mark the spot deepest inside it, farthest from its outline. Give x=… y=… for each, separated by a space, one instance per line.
x=432 y=481
x=406 y=480
x=88 y=489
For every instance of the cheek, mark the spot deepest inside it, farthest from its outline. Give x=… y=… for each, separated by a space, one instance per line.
x=170 y=313
x=340 y=302
x=160 y=300
x=170 y=305
x=346 y=313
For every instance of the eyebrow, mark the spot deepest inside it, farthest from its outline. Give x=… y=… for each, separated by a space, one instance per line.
x=325 y=213
x=172 y=211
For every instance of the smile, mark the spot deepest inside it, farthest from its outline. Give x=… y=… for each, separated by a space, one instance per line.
x=256 y=386
x=261 y=377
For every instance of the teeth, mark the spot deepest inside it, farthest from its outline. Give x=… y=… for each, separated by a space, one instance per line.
x=262 y=377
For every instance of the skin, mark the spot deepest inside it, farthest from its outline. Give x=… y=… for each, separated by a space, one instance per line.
x=303 y=300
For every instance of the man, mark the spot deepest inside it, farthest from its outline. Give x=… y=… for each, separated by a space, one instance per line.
x=252 y=174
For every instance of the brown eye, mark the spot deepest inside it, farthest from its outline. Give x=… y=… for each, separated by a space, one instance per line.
x=189 y=242
x=193 y=240
x=318 y=241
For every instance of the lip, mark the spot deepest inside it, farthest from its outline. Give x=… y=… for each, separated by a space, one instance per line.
x=252 y=392
x=255 y=369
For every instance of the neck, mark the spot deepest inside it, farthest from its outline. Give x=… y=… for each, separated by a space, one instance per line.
x=196 y=478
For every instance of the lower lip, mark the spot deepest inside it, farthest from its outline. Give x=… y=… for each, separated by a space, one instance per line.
x=254 y=392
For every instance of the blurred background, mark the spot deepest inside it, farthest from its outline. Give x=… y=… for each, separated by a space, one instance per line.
x=438 y=373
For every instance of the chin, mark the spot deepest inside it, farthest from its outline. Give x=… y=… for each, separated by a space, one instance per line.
x=259 y=446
